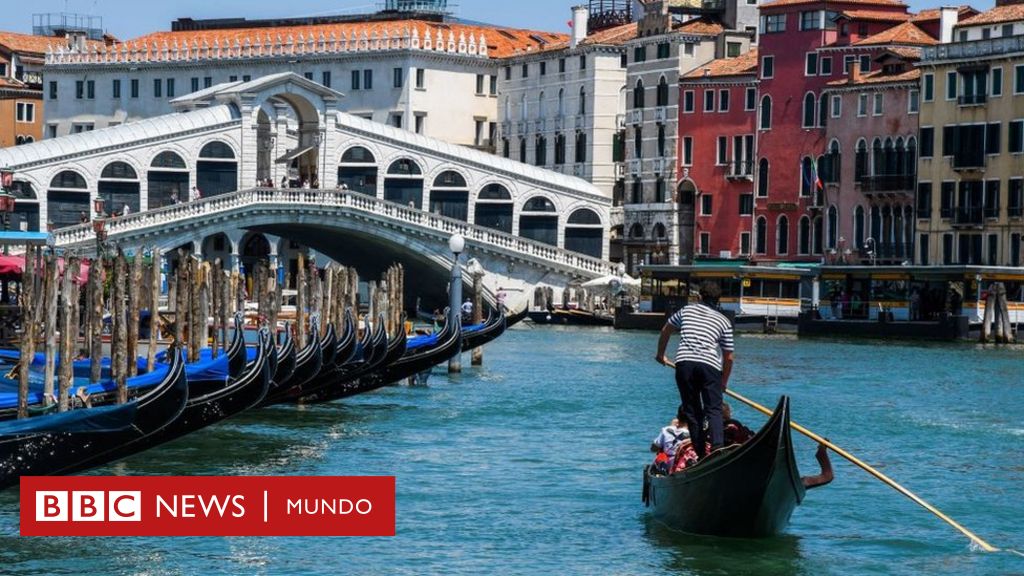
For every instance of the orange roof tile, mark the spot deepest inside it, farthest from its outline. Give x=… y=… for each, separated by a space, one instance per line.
x=1007 y=13
x=614 y=36
x=700 y=25
x=930 y=14
x=743 y=65
x=875 y=15
x=880 y=77
x=28 y=43
x=907 y=34
x=774 y=3
x=501 y=42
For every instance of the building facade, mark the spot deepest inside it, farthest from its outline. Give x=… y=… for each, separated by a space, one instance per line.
x=971 y=171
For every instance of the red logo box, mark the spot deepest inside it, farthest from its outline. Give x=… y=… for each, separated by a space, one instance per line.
x=208 y=506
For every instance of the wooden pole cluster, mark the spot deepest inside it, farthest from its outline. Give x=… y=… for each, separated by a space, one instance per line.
x=95 y=328
x=996 y=325
x=28 y=327
x=120 y=321
x=50 y=282
x=155 y=271
x=394 y=281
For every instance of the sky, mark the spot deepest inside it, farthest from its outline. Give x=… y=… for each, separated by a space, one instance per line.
x=132 y=18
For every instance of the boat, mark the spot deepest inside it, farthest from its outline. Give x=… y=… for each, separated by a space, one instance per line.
x=476 y=336
x=67 y=442
x=286 y=356
x=513 y=318
x=380 y=351
x=748 y=491
x=421 y=353
x=571 y=317
x=307 y=366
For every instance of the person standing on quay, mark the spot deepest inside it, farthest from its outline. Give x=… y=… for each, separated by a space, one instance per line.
x=703 y=364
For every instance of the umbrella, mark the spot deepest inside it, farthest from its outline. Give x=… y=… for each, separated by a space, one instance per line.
x=613 y=283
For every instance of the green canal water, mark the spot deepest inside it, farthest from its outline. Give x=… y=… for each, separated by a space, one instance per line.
x=531 y=465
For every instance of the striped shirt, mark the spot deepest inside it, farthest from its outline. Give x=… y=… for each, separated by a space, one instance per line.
x=704 y=333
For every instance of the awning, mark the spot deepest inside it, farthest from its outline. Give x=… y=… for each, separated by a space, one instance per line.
x=293 y=154
x=16 y=238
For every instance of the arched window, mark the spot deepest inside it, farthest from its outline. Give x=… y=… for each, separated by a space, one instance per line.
x=833 y=227
x=561 y=102
x=858 y=227
x=540 y=105
x=638 y=94
x=809 y=111
x=584 y=233
x=404 y=183
x=890 y=156
x=900 y=157
x=494 y=208
x=18 y=141
x=833 y=163
x=559 y=148
x=540 y=150
x=662 y=92
x=508 y=109
x=817 y=235
x=638 y=191
x=67 y=200
x=782 y=236
x=762 y=178
x=877 y=158
x=25 y=217
x=522 y=149
x=524 y=112
x=638 y=142
x=659 y=234
x=822 y=111
x=911 y=160
x=358 y=171
x=539 y=221
x=860 y=167
x=450 y=196
x=216 y=169
x=581 y=147
x=804 y=235
x=761 y=235
x=766 y=113
x=119 y=187
x=636 y=231
x=808 y=178
x=876 y=225
x=167 y=181
x=583 y=101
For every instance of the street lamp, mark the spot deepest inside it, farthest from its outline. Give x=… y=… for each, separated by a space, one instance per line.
x=456 y=244
x=871 y=251
x=99 y=225
x=7 y=201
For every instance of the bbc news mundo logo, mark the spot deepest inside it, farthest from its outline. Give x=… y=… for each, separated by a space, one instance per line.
x=88 y=506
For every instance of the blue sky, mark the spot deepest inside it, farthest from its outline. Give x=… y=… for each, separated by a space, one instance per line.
x=131 y=18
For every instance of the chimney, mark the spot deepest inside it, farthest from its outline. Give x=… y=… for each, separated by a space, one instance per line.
x=580 y=21
x=948 y=16
x=855 y=72
x=76 y=40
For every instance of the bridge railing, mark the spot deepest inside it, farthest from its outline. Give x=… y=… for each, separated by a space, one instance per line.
x=346 y=199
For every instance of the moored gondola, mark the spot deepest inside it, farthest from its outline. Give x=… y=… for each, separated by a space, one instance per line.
x=375 y=353
x=48 y=450
x=571 y=317
x=286 y=356
x=746 y=491
x=415 y=360
x=307 y=366
x=513 y=318
x=474 y=337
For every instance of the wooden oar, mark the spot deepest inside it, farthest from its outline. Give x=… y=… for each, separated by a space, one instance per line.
x=870 y=470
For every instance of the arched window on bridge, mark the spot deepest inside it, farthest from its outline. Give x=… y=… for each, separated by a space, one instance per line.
x=539 y=221
x=119 y=186
x=167 y=180
x=584 y=233
x=358 y=171
x=67 y=199
x=494 y=208
x=25 y=217
x=404 y=183
x=216 y=170
x=449 y=196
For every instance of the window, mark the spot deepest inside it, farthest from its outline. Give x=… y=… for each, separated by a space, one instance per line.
x=927 y=142
x=367 y=79
x=862 y=105
x=306 y=75
x=732 y=49
x=134 y=86
x=494 y=86
x=526 y=71
x=479 y=84
x=90 y=89
x=661 y=141
x=158 y=88
x=951 y=85
x=860 y=161
x=356 y=78
x=508 y=72
x=837 y=106
x=810 y=20
x=207 y=81
x=766 y=113
x=913 y=101
x=688 y=49
x=761 y=235
x=782 y=236
x=194 y=84
x=809 y=112
x=170 y=87
x=723 y=100
x=639 y=53
x=947 y=248
x=665 y=50
x=991 y=199
x=1018 y=79
x=688 y=101
x=581 y=147
x=762 y=178
x=876 y=107
x=1015 y=198
x=543 y=68
x=26 y=112
x=773 y=23
x=79 y=89
x=750 y=99
x=947 y=191
x=421 y=118
x=709 y=100
x=826 y=66
x=992 y=133
x=421 y=79
x=865 y=63
x=662 y=95
x=746 y=206
x=583 y=61
x=687 y=151
x=744 y=243
x=767 y=66
x=582 y=108
x=997 y=82
x=659 y=192
x=722 y=148
x=396 y=120
x=705 y=243
x=638 y=142
x=929 y=87
x=924 y=200
x=561 y=65
x=848 y=64
x=705 y=204
x=1016 y=140
x=399 y=76
x=811 y=64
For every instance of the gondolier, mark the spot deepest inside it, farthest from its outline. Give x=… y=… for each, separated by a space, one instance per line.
x=703 y=364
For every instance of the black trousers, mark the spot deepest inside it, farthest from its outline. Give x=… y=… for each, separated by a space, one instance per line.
x=700 y=390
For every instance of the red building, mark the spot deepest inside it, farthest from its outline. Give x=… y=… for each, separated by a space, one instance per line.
x=792 y=113
x=716 y=153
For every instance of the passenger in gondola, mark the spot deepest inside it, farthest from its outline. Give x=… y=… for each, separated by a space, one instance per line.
x=667 y=442
x=825 y=476
x=734 y=430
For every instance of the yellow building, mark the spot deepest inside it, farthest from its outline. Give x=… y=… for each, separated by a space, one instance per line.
x=970 y=195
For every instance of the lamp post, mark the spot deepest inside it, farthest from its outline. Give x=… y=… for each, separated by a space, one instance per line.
x=7 y=201
x=456 y=244
x=99 y=225
x=871 y=251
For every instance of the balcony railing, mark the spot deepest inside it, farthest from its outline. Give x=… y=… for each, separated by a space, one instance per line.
x=741 y=169
x=634 y=167
x=888 y=183
x=968 y=216
x=634 y=117
x=974 y=49
x=972 y=100
x=660 y=114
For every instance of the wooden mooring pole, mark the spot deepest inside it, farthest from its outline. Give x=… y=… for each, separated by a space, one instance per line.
x=28 y=329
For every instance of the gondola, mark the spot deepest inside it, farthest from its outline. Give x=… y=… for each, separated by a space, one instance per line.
x=237 y=357
x=415 y=360
x=376 y=352
x=286 y=356
x=50 y=450
x=347 y=343
x=515 y=317
x=571 y=317
x=238 y=395
x=307 y=366
x=748 y=491
x=474 y=337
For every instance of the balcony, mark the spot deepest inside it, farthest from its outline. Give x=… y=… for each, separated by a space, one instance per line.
x=974 y=160
x=559 y=123
x=888 y=183
x=634 y=167
x=972 y=100
x=975 y=49
x=741 y=170
x=522 y=126
x=970 y=216
x=661 y=166
x=579 y=170
x=540 y=125
x=634 y=117
x=506 y=127
x=661 y=114
x=697 y=7
x=581 y=122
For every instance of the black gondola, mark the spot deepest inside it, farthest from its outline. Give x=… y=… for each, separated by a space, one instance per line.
x=237 y=357
x=286 y=356
x=307 y=366
x=515 y=317
x=413 y=362
x=347 y=343
x=491 y=329
x=50 y=453
x=749 y=491
x=375 y=352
